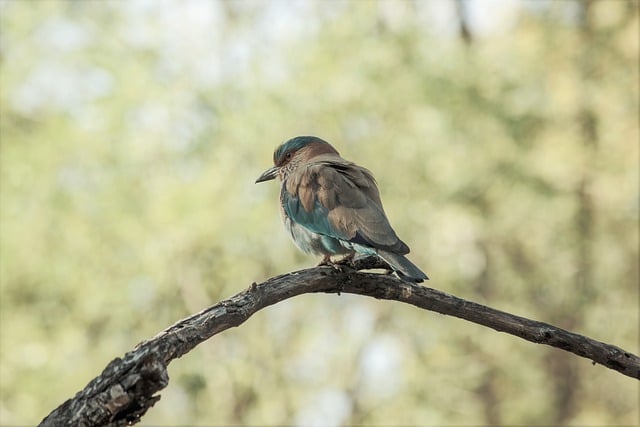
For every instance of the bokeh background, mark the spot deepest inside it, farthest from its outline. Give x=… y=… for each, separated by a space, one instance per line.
x=503 y=134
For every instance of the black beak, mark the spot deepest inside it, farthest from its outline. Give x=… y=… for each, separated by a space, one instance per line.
x=268 y=175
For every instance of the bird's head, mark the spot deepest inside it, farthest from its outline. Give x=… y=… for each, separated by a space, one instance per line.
x=294 y=153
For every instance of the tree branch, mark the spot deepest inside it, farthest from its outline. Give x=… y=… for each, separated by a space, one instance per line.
x=126 y=388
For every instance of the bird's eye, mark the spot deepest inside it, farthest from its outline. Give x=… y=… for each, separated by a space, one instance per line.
x=288 y=156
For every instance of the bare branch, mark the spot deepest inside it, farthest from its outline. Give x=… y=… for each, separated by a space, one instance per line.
x=126 y=388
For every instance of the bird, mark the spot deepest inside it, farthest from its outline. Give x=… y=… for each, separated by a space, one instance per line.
x=332 y=206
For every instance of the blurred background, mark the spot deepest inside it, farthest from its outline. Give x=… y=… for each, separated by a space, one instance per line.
x=504 y=137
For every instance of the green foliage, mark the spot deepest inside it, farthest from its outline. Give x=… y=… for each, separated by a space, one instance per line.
x=132 y=133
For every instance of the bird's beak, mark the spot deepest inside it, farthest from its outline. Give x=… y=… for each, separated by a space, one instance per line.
x=268 y=175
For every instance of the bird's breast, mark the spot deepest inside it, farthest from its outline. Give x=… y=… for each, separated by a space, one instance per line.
x=311 y=242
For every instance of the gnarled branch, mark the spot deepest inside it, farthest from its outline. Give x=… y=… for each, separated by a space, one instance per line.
x=127 y=387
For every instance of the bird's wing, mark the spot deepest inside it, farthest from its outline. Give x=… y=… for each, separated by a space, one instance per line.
x=341 y=200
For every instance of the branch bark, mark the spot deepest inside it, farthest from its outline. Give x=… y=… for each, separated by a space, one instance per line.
x=127 y=387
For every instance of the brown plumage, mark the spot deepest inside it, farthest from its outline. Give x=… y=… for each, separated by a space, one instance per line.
x=332 y=206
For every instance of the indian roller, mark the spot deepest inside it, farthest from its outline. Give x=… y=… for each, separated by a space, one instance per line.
x=332 y=206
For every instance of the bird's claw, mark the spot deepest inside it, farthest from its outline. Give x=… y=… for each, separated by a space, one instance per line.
x=329 y=263
x=347 y=261
x=326 y=260
x=340 y=265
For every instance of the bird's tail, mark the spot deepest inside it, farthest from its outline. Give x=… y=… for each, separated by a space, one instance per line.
x=403 y=266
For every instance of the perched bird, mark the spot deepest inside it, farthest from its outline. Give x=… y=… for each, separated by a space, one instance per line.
x=332 y=206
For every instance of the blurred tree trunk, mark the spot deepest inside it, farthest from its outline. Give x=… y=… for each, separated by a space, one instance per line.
x=563 y=372
x=463 y=22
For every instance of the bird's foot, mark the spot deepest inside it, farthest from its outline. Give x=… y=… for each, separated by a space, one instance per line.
x=347 y=260
x=326 y=260
x=342 y=266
